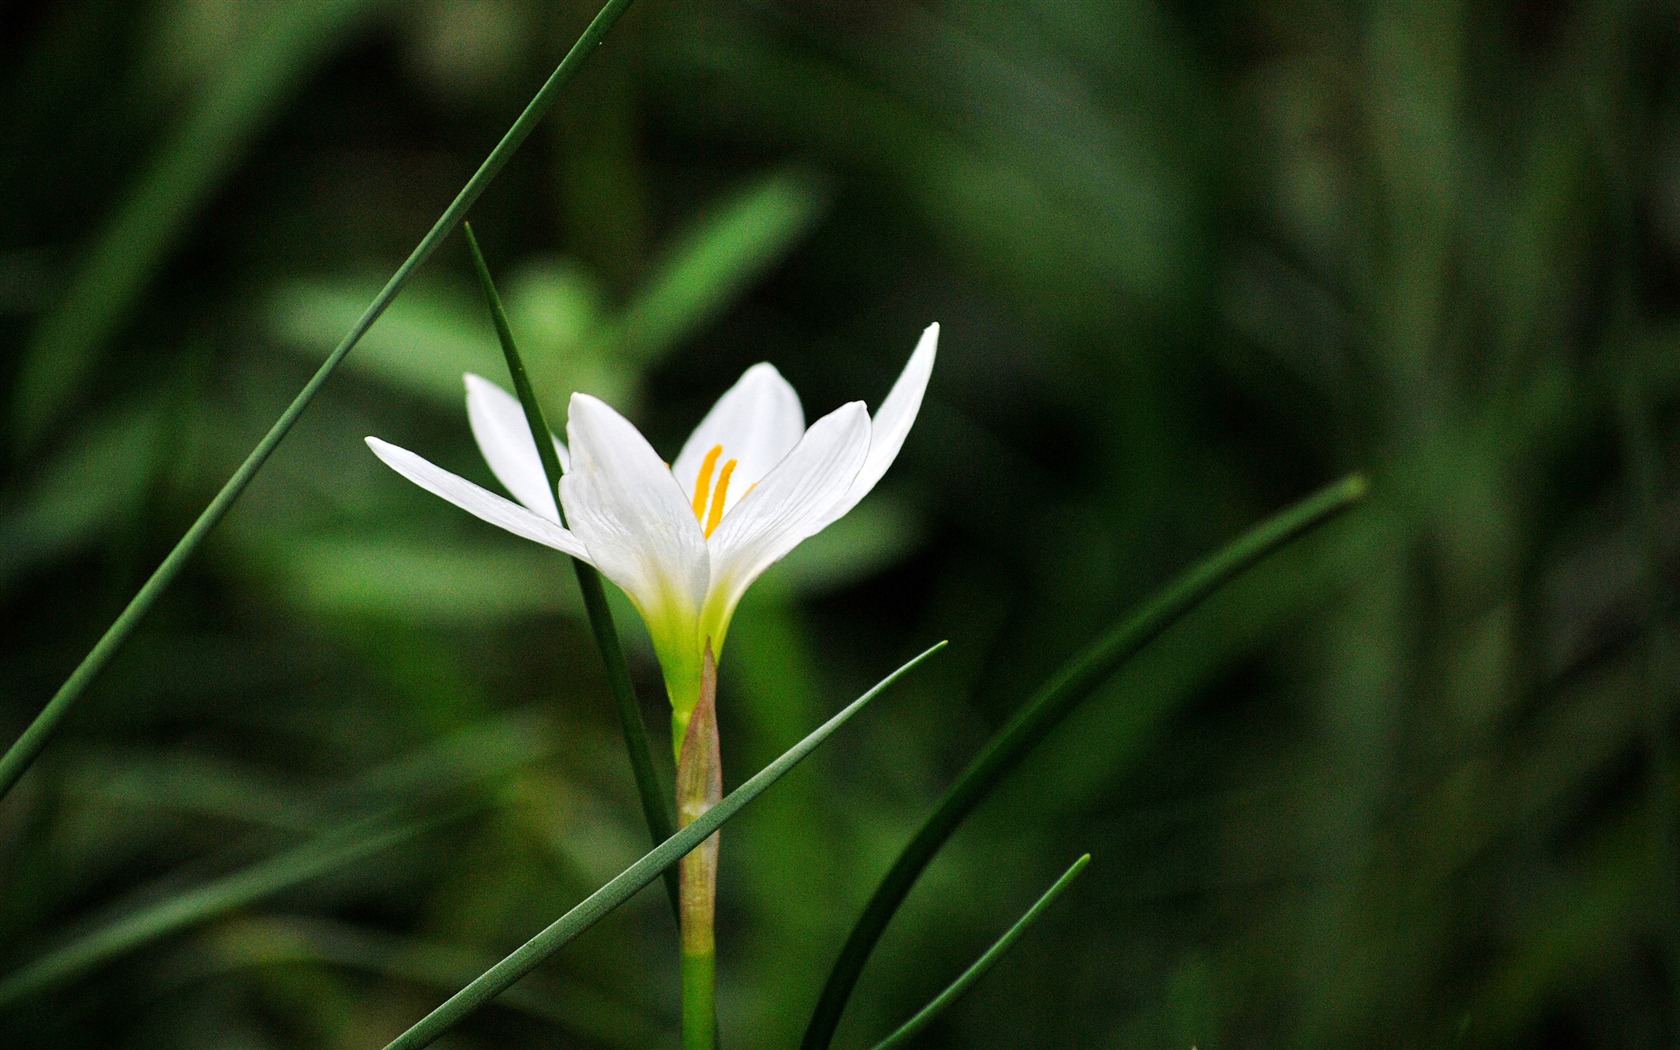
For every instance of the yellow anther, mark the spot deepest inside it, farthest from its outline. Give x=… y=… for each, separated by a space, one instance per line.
x=718 y=497
x=702 y=487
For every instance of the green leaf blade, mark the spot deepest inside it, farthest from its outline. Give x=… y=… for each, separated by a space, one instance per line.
x=987 y=960
x=715 y=259
x=629 y=882
x=653 y=793
x=204 y=903
x=1049 y=706
x=34 y=738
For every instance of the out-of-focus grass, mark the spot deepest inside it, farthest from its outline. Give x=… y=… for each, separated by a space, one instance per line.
x=1405 y=785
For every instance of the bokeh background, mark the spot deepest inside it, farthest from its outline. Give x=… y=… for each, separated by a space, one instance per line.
x=1410 y=784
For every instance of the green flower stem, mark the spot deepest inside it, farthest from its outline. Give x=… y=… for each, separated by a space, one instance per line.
x=27 y=747
x=699 y=999
x=1054 y=701
x=699 y=788
x=660 y=824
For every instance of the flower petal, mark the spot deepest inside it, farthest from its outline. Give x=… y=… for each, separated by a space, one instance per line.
x=476 y=501
x=757 y=422
x=792 y=502
x=503 y=435
x=897 y=414
x=634 y=518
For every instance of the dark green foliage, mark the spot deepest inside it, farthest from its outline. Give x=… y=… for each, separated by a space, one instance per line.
x=1411 y=783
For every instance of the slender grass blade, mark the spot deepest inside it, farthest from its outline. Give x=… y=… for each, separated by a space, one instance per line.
x=28 y=746
x=220 y=897
x=714 y=259
x=986 y=961
x=1055 y=701
x=602 y=902
x=654 y=795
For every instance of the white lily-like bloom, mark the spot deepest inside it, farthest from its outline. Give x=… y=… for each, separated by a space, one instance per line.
x=685 y=540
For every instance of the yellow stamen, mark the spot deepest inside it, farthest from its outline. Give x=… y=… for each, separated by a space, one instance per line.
x=716 y=515
x=703 y=485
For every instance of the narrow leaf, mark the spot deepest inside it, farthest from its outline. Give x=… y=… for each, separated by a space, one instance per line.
x=577 y=1007
x=602 y=902
x=1053 y=702
x=24 y=751
x=715 y=259
x=962 y=984
x=202 y=904
x=655 y=810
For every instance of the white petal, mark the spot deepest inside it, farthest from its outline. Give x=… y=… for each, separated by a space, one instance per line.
x=897 y=414
x=628 y=510
x=757 y=422
x=794 y=501
x=503 y=435
x=476 y=501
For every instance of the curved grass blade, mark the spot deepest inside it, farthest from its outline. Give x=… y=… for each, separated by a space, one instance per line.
x=1052 y=703
x=346 y=847
x=715 y=259
x=576 y=1008
x=661 y=824
x=986 y=961
x=24 y=751
x=600 y=903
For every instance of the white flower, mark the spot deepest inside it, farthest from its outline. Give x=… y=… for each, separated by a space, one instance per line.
x=684 y=541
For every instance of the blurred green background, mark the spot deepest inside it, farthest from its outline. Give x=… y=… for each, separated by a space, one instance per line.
x=1411 y=784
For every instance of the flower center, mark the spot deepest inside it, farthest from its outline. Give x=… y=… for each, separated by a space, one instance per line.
x=703 y=492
